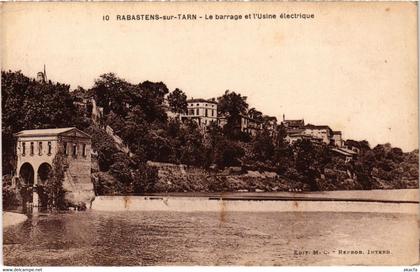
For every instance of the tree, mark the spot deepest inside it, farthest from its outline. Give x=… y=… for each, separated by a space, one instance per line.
x=149 y=96
x=29 y=104
x=228 y=153
x=178 y=101
x=54 y=185
x=112 y=93
x=192 y=149
x=311 y=161
x=263 y=147
x=233 y=106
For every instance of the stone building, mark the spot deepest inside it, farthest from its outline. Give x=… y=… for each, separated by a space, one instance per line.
x=250 y=125
x=202 y=111
x=337 y=138
x=324 y=133
x=36 y=150
x=293 y=124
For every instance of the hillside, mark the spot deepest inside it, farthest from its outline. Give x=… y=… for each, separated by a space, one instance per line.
x=133 y=129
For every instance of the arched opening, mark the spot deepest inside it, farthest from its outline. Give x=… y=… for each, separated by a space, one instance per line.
x=44 y=173
x=26 y=174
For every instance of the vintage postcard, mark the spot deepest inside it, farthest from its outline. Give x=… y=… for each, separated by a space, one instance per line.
x=209 y=134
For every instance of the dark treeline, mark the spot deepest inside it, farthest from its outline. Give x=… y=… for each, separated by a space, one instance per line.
x=137 y=114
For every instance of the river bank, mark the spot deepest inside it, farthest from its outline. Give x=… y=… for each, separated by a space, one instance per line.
x=11 y=218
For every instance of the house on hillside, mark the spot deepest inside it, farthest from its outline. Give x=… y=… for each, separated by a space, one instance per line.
x=337 y=139
x=270 y=124
x=291 y=138
x=293 y=124
x=202 y=111
x=250 y=125
x=322 y=132
x=347 y=154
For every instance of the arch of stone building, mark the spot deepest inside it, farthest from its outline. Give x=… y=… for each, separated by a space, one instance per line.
x=27 y=173
x=44 y=169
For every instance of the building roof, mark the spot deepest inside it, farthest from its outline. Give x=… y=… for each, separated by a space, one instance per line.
x=51 y=132
x=295 y=135
x=294 y=131
x=294 y=123
x=344 y=151
x=250 y=119
x=317 y=127
x=195 y=100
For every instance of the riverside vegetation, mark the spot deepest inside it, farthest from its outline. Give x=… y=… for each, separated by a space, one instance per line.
x=222 y=159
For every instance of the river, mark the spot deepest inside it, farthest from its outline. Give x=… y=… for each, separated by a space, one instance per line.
x=127 y=238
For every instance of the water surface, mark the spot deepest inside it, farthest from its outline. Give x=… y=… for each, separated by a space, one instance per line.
x=209 y=238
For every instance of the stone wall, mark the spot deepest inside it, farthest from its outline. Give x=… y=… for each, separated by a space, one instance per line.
x=77 y=182
x=180 y=178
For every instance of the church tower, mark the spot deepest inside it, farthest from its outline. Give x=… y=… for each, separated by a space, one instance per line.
x=42 y=76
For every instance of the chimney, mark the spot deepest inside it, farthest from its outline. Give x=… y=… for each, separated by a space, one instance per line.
x=284 y=117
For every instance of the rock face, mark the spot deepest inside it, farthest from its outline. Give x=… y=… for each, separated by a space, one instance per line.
x=179 y=178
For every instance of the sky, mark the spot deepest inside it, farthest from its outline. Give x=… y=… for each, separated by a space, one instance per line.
x=353 y=67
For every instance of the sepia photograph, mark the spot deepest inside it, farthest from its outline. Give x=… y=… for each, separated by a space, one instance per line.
x=209 y=134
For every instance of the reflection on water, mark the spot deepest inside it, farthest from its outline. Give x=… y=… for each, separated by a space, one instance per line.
x=207 y=238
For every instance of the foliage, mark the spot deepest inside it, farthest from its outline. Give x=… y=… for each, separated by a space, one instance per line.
x=54 y=185
x=9 y=197
x=136 y=113
x=386 y=164
x=232 y=106
x=178 y=101
x=28 y=104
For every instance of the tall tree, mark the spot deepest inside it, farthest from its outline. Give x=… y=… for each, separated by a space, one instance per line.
x=178 y=101
x=232 y=106
x=29 y=104
x=112 y=93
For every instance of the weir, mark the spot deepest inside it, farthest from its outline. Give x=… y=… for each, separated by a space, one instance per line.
x=214 y=204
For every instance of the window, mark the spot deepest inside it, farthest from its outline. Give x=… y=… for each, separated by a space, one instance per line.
x=84 y=150
x=198 y=104
x=206 y=112
x=190 y=112
x=49 y=148
x=65 y=149
x=40 y=148
x=212 y=112
x=23 y=148
x=32 y=149
x=198 y=112
x=75 y=150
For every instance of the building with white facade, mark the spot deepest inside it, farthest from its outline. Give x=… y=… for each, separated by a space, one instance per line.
x=324 y=133
x=337 y=138
x=202 y=111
